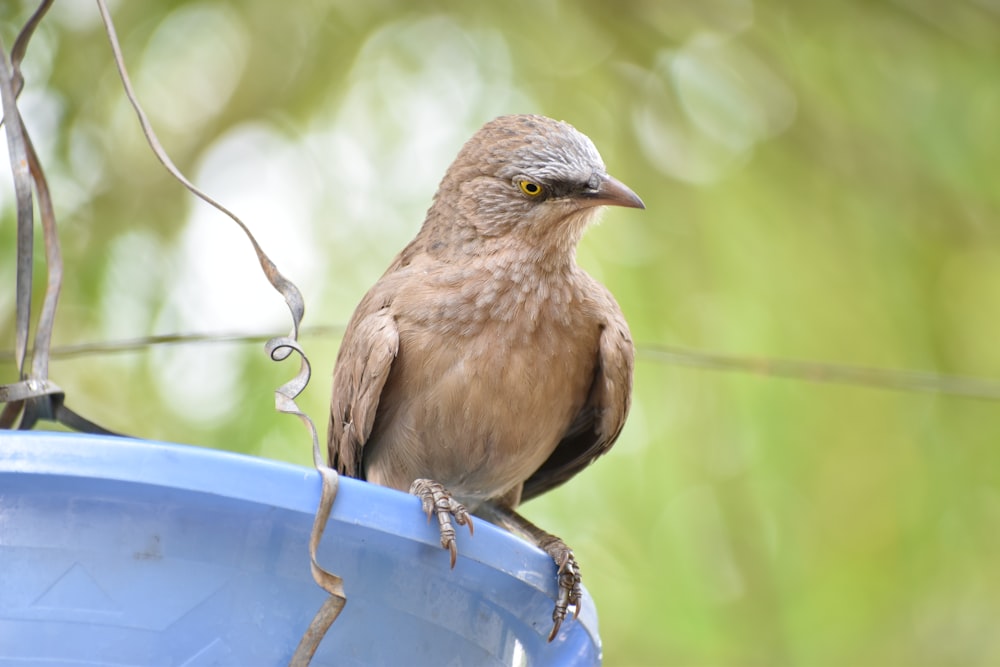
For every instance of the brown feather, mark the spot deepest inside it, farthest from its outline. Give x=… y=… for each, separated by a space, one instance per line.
x=485 y=358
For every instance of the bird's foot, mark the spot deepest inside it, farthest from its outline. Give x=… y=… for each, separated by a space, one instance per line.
x=436 y=499
x=569 y=581
x=570 y=592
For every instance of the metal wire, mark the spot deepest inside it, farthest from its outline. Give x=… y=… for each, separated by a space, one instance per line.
x=889 y=379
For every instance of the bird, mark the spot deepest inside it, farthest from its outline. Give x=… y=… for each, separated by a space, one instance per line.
x=485 y=367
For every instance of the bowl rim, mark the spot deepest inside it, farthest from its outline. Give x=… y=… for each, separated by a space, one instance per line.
x=256 y=480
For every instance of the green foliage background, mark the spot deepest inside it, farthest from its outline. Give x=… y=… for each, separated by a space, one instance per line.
x=821 y=184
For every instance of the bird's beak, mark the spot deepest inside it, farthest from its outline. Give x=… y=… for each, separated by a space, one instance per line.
x=612 y=192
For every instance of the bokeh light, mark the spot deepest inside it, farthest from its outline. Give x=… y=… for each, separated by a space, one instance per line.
x=820 y=183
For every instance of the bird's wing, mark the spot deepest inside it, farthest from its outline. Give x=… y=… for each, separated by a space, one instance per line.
x=370 y=345
x=598 y=424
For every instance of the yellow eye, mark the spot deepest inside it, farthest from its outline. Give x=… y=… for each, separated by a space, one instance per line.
x=530 y=188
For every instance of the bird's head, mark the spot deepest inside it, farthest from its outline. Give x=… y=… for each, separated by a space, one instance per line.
x=531 y=178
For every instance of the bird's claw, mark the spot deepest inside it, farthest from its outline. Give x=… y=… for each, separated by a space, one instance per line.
x=570 y=591
x=435 y=499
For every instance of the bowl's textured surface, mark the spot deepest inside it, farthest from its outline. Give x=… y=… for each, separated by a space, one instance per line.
x=121 y=552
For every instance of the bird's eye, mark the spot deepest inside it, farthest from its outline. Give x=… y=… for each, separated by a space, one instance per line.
x=530 y=188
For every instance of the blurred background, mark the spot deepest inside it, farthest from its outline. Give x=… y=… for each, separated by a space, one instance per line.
x=821 y=185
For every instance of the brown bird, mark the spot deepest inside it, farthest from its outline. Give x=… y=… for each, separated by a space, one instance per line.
x=485 y=367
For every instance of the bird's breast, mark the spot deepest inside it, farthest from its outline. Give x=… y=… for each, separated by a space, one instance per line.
x=484 y=387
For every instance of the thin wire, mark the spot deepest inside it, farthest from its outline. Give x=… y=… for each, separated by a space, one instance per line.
x=810 y=371
x=53 y=267
x=287 y=289
x=17 y=149
x=21 y=43
x=807 y=371
x=142 y=343
x=279 y=349
x=21 y=47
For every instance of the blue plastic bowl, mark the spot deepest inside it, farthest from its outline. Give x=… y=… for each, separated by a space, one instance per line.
x=119 y=552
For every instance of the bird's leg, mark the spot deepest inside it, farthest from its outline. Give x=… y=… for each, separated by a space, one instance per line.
x=436 y=500
x=569 y=593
